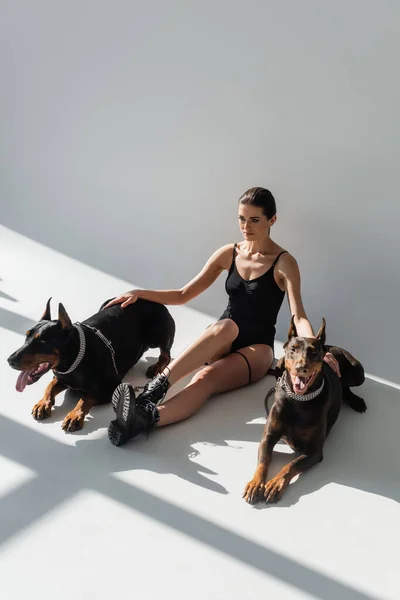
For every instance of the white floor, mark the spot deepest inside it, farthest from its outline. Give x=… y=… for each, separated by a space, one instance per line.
x=82 y=519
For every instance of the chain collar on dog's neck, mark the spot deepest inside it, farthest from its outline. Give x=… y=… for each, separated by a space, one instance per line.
x=81 y=353
x=300 y=397
x=82 y=349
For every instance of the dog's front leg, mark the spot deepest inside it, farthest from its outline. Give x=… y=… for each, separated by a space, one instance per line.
x=74 y=419
x=275 y=487
x=42 y=409
x=163 y=361
x=254 y=490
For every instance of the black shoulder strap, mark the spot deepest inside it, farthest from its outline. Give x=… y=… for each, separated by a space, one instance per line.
x=233 y=259
x=277 y=258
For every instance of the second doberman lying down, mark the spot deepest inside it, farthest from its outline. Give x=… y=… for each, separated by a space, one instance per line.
x=93 y=356
x=307 y=402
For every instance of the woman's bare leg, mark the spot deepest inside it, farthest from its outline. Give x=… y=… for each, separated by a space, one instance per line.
x=214 y=342
x=227 y=373
x=135 y=415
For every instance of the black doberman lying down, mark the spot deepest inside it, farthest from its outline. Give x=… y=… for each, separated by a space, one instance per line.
x=307 y=402
x=93 y=356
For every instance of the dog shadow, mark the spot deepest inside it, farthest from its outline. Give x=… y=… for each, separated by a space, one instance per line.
x=361 y=451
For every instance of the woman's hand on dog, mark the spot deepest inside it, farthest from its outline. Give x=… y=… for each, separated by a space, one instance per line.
x=125 y=299
x=332 y=362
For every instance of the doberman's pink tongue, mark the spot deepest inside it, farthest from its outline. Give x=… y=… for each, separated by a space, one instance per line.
x=22 y=381
x=299 y=384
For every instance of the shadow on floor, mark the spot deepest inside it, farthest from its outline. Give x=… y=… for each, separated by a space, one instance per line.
x=63 y=471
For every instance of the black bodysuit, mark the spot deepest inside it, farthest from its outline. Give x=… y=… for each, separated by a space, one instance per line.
x=253 y=305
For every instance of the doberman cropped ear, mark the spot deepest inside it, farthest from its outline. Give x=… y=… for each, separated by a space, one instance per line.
x=321 y=336
x=292 y=329
x=63 y=317
x=280 y=366
x=46 y=315
x=278 y=369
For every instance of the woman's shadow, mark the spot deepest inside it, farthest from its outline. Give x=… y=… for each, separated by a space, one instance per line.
x=174 y=449
x=177 y=449
x=360 y=452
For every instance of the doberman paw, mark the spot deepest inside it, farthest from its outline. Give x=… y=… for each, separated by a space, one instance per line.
x=73 y=421
x=153 y=370
x=358 y=404
x=254 y=490
x=42 y=410
x=274 y=489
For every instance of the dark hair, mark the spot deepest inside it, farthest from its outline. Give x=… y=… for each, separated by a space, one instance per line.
x=258 y=196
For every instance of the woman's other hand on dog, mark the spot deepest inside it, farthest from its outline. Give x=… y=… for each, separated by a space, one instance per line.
x=125 y=299
x=332 y=362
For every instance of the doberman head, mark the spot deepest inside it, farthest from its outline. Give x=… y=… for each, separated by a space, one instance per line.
x=42 y=348
x=303 y=358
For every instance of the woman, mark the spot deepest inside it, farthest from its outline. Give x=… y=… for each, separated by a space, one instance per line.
x=238 y=348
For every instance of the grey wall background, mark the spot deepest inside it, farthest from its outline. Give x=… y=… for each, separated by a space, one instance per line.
x=129 y=130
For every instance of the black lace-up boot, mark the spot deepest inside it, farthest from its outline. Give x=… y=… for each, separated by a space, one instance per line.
x=136 y=415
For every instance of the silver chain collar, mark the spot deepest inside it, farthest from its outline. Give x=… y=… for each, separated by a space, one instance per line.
x=82 y=349
x=300 y=397
x=81 y=353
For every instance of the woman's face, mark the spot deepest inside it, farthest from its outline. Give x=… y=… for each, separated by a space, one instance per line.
x=253 y=223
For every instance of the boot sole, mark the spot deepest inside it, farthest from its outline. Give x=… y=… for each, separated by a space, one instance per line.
x=123 y=401
x=115 y=434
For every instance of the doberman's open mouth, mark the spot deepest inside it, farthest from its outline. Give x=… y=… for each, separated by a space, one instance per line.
x=31 y=376
x=301 y=384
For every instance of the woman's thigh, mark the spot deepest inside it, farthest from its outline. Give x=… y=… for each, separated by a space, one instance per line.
x=232 y=371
